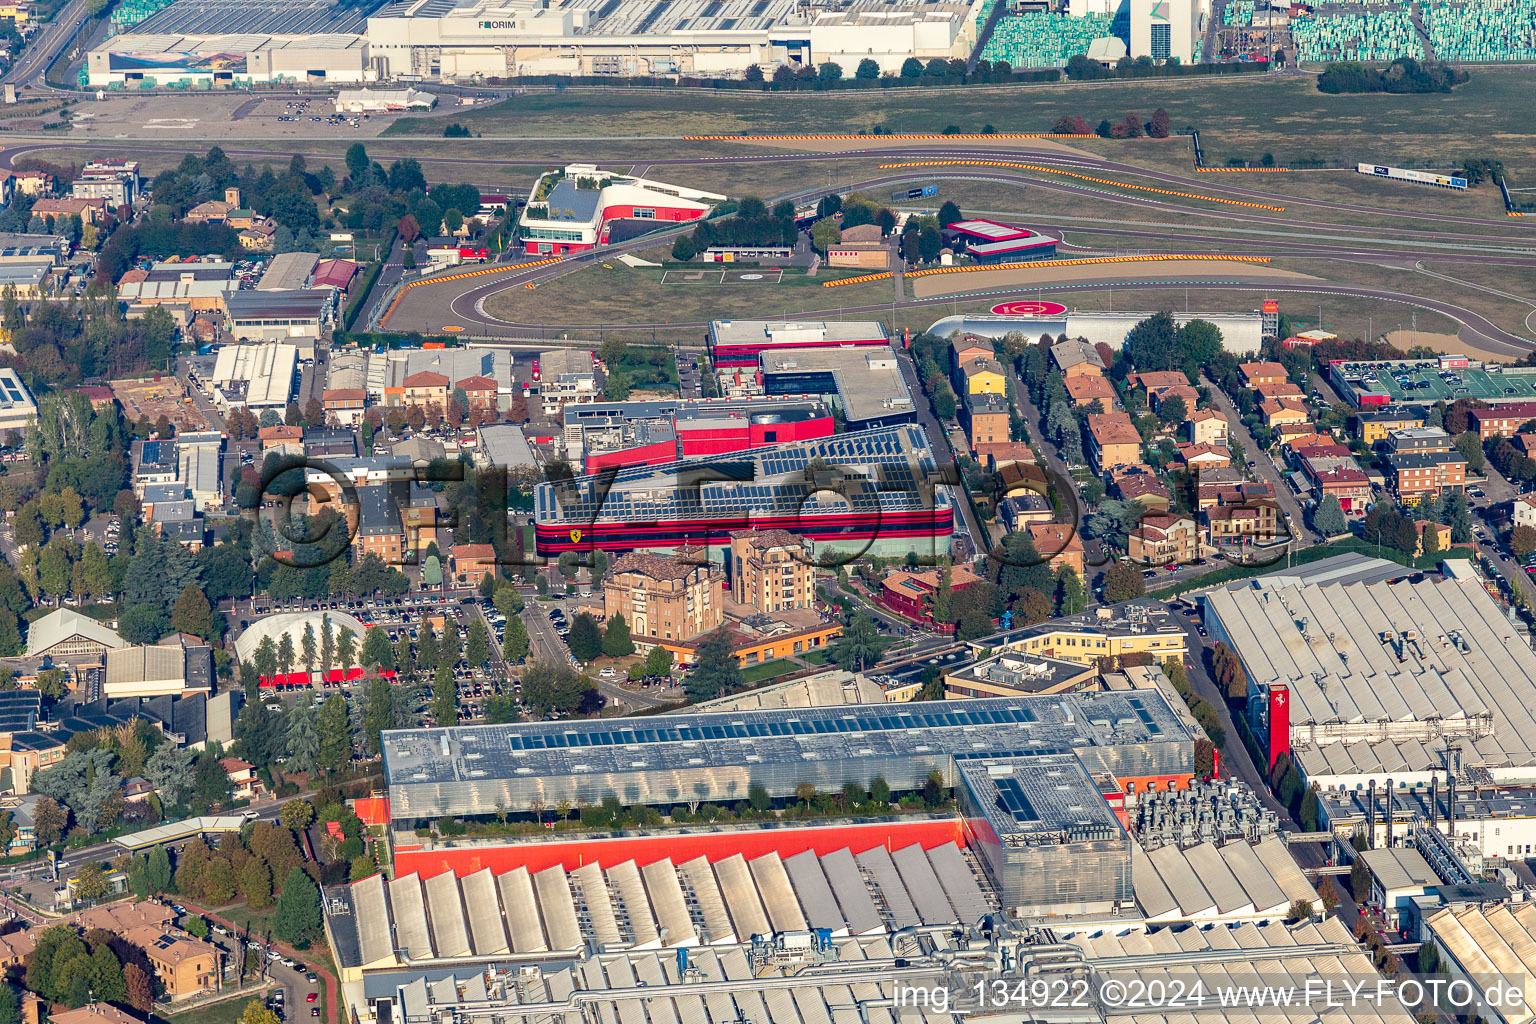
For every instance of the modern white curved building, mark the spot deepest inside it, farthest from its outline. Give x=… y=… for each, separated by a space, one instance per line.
x=293 y=623
x=1241 y=333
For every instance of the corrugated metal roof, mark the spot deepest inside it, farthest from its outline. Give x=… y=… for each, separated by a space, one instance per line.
x=515 y=888
x=410 y=912
x=815 y=894
x=923 y=885
x=558 y=908
x=898 y=904
x=853 y=899
x=487 y=931
x=700 y=878
x=778 y=895
x=666 y=897
x=741 y=897
x=450 y=938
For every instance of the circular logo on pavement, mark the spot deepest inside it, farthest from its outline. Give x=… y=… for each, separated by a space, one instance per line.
x=1030 y=308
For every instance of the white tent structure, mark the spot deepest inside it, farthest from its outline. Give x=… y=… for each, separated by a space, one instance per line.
x=293 y=623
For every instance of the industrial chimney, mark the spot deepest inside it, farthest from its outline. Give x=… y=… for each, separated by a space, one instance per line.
x=1389 y=813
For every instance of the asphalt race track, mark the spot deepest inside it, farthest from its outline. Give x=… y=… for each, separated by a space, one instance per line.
x=459 y=303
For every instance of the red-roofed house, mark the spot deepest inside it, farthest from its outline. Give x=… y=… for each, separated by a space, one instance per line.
x=1204 y=456
x=1256 y=522
x=1255 y=374
x=1351 y=486
x=1084 y=390
x=424 y=389
x=346 y=404
x=100 y=396
x=480 y=391
x=1112 y=441
x=470 y=563
x=282 y=437
x=1059 y=544
x=1208 y=426
x=242 y=775
x=1164 y=539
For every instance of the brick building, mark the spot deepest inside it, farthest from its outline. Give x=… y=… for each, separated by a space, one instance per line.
x=772 y=570
x=665 y=598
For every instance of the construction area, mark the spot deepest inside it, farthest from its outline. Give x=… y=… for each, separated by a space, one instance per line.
x=153 y=397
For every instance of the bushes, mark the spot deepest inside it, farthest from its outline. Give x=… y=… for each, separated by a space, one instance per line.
x=1404 y=75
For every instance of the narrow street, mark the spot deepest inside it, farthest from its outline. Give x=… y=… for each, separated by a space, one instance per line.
x=1264 y=468
x=943 y=453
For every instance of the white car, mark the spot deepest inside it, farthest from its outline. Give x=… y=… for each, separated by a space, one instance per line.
x=608 y=673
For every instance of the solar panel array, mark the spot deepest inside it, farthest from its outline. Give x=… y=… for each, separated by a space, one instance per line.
x=881 y=469
x=741 y=729
x=274 y=17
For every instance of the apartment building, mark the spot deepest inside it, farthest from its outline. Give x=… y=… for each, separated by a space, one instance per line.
x=772 y=570
x=1416 y=475
x=1059 y=544
x=1112 y=441
x=665 y=598
x=1164 y=538
x=986 y=419
x=1254 y=374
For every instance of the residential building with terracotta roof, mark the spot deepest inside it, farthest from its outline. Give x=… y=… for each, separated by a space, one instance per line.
x=1502 y=421
x=346 y=405
x=1058 y=544
x=1154 y=380
x=772 y=570
x=1163 y=539
x=1184 y=392
x=1350 y=485
x=424 y=389
x=1524 y=511
x=242 y=776
x=982 y=376
x=1413 y=476
x=1242 y=525
x=1207 y=426
x=1231 y=492
x=479 y=391
x=1441 y=532
x=996 y=455
x=282 y=438
x=967 y=347
x=90 y=211
x=1278 y=389
x=665 y=597
x=1201 y=457
x=1143 y=487
x=986 y=417
x=1279 y=411
x=1085 y=389
x=186 y=966
x=1254 y=374
x=471 y=563
x=1112 y=441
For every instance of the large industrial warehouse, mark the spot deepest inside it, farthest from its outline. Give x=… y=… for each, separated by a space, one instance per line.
x=1382 y=677
x=505 y=38
x=205 y=43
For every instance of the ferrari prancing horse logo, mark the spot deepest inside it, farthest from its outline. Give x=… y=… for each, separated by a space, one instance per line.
x=575 y=536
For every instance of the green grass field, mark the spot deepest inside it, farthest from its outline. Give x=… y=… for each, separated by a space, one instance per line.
x=767 y=670
x=227 y=1012
x=616 y=294
x=1285 y=116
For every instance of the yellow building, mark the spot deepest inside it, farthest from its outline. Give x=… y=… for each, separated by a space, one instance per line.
x=771 y=570
x=1099 y=634
x=1373 y=427
x=982 y=377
